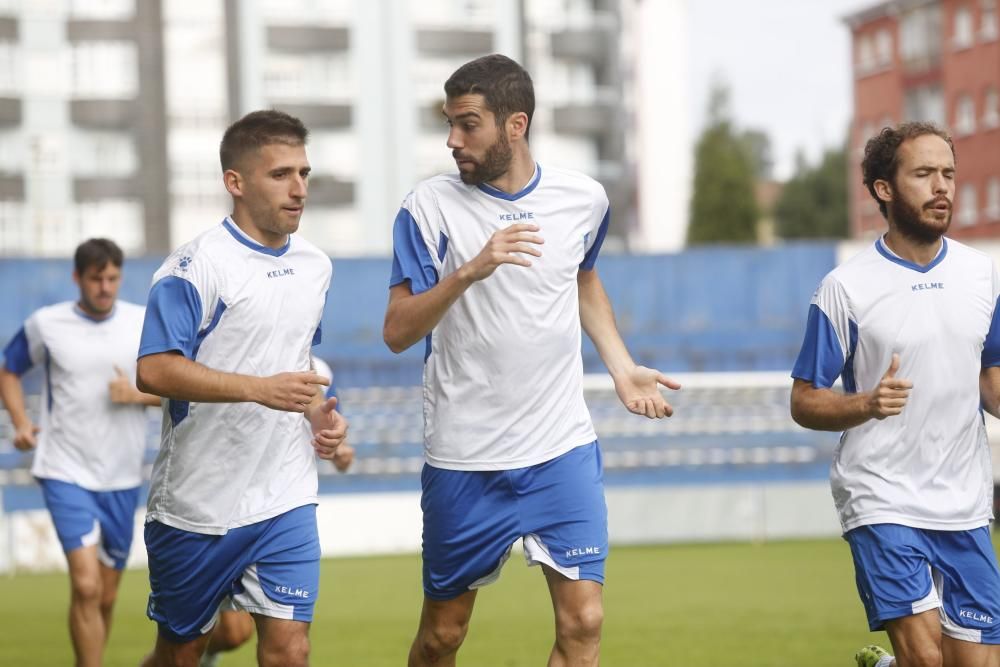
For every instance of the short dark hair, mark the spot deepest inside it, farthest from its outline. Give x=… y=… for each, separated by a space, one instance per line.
x=257 y=129
x=97 y=253
x=505 y=86
x=882 y=154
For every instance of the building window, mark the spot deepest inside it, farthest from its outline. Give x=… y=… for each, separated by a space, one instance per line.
x=965 y=115
x=988 y=21
x=865 y=55
x=111 y=154
x=963 y=34
x=967 y=205
x=992 y=210
x=920 y=41
x=925 y=103
x=991 y=109
x=112 y=10
x=883 y=48
x=105 y=69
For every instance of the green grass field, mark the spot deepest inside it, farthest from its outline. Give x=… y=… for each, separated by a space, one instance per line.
x=716 y=605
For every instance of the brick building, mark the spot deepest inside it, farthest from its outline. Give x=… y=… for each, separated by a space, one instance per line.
x=934 y=60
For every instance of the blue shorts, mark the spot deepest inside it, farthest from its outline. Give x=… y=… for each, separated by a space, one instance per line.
x=269 y=568
x=473 y=518
x=903 y=571
x=84 y=518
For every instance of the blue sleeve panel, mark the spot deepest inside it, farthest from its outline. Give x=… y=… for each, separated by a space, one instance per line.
x=590 y=258
x=410 y=258
x=173 y=315
x=821 y=359
x=17 y=358
x=991 y=346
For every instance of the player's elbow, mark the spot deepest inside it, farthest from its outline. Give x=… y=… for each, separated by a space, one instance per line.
x=147 y=377
x=393 y=339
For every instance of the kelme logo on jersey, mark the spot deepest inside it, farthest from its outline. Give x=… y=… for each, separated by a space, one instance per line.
x=277 y=273
x=294 y=592
x=516 y=217
x=922 y=286
x=576 y=552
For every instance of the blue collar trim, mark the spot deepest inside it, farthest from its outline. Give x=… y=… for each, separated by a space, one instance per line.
x=895 y=259
x=85 y=315
x=253 y=245
x=524 y=192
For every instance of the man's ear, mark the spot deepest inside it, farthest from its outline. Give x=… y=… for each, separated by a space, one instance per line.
x=883 y=190
x=233 y=182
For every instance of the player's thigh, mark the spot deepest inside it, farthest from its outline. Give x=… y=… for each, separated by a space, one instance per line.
x=282 y=579
x=470 y=522
x=892 y=568
x=577 y=602
x=916 y=638
x=279 y=637
x=959 y=653
x=968 y=579
x=564 y=513
x=169 y=653
x=190 y=574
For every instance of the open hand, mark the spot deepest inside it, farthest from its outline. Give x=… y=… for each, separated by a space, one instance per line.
x=639 y=391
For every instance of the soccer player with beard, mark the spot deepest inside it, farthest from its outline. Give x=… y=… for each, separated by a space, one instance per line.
x=510 y=448
x=910 y=326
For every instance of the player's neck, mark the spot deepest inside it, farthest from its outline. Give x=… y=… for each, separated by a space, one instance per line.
x=93 y=314
x=517 y=177
x=913 y=250
x=261 y=236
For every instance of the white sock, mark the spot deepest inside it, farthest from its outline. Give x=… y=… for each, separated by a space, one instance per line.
x=886 y=661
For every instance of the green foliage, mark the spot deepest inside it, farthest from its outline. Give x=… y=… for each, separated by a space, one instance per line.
x=813 y=203
x=701 y=605
x=723 y=205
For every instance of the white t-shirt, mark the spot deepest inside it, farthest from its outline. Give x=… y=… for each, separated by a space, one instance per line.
x=234 y=305
x=503 y=372
x=928 y=467
x=85 y=439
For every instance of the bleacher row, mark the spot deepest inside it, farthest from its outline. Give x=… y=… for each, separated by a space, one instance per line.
x=725 y=427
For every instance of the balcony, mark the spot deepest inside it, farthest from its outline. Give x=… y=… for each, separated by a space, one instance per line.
x=82 y=30
x=329 y=191
x=103 y=114
x=11 y=187
x=589 y=44
x=588 y=118
x=450 y=42
x=319 y=116
x=89 y=188
x=10 y=111
x=307 y=39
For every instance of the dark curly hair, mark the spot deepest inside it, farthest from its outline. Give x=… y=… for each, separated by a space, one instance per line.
x=97 y=253
x=505 y=86
x=882 y=154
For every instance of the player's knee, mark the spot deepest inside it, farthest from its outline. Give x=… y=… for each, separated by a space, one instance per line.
x=442 y=639
x=581 y=624
x=293 y=652
x=928 y=654
x=87 y=589
x=233 y=632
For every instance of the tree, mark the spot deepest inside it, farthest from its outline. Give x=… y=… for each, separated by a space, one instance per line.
x=813 y=203
x=723 y=205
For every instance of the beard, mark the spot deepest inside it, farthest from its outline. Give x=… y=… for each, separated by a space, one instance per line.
x=910 y=223
x=494 y=164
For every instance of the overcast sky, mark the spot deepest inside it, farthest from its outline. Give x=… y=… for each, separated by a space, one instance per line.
x=787 y=64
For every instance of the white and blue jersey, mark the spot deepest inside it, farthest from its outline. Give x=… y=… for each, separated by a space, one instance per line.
x=928 y=467
x=235 y=306
x=85 y=439
x=503 y=372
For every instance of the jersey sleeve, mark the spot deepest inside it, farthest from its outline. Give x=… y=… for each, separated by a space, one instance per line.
x=184 y=305
x=594 y=239
x=25 y=349
x=417 y=251
x=991 y=346
x=830 y=339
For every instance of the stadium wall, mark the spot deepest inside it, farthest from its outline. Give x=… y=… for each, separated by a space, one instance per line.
x=390 y=523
